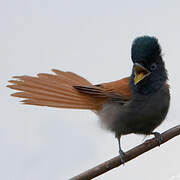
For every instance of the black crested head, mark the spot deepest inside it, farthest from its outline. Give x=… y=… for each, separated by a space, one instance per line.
x=149 y=72
x=145 y=48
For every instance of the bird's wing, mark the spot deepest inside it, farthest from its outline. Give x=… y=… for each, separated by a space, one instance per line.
x=116 y=89
x=67 y=90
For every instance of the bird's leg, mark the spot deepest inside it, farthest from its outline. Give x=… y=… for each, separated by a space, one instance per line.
x=158 y=137
x=121 y=152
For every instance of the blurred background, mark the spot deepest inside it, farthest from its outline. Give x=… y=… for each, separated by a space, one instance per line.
x=93 y=39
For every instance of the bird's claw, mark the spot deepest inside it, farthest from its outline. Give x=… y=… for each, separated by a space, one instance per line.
x=158 y=137
x=122 y=156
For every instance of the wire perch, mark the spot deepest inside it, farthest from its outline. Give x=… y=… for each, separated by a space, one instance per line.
x=131 y=154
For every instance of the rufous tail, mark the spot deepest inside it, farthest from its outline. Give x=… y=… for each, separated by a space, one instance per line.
x=55 y=91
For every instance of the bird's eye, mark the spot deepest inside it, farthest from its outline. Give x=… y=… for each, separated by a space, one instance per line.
x=153 y=66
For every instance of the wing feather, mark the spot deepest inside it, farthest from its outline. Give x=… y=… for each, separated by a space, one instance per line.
x=116 y=89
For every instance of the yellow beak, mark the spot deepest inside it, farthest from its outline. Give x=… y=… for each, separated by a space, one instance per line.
x=140 y=73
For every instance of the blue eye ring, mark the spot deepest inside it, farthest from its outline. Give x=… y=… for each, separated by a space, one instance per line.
x=153 y=66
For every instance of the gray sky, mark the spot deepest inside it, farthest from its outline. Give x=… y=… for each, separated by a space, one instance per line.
x=91 y=38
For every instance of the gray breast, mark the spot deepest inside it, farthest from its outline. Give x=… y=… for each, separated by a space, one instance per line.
x=141 y=115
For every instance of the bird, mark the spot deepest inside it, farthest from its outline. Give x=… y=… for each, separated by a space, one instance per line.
x=136 y=104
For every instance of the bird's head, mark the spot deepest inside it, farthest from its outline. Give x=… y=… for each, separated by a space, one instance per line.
x=149 y=71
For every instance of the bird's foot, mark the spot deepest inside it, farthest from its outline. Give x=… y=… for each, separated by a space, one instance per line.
x=158 y=137
x=122 y=156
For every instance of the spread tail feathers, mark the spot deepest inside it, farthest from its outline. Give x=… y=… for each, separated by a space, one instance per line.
x=55 y=91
